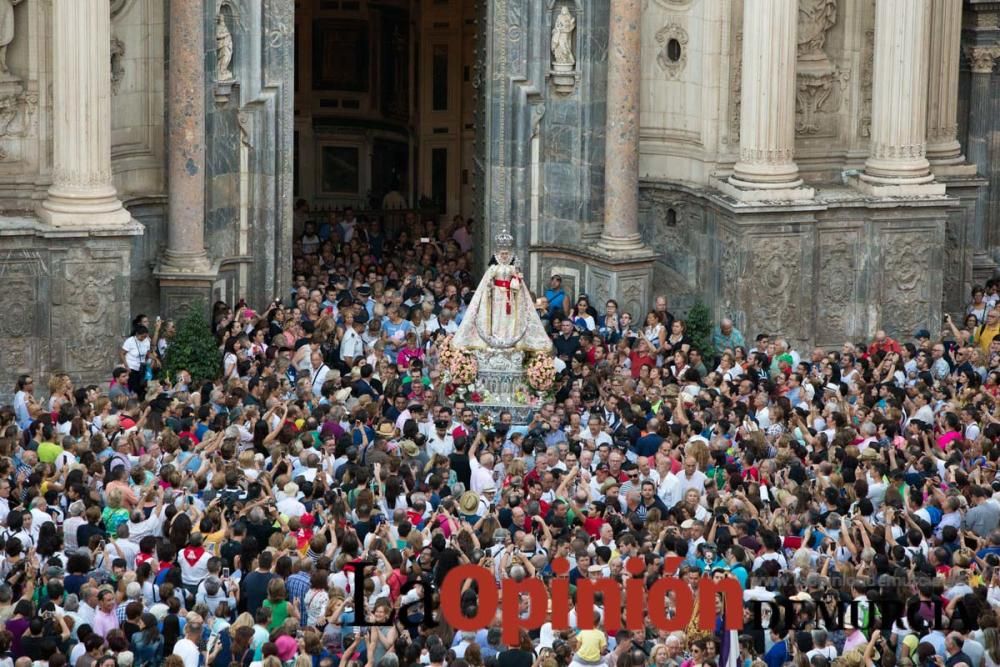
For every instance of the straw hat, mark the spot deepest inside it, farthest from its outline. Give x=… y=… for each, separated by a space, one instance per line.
x=468 y=503
x=409 y=448
x=386 y=430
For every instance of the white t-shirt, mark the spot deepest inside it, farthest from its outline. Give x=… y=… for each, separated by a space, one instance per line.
x=187 y=650
x=136 y=352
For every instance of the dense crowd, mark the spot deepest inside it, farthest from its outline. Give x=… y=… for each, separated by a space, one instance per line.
x=157 y=520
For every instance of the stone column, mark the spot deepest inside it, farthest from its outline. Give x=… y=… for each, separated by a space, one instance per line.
x=185 y=252
x=943 y=148
x=981 y=62
x=766 y=169
x=897 y=165
x=185 y=273
x=82 y=193
x=621 y=163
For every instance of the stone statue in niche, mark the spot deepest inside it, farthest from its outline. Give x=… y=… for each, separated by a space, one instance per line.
x=816 y=17
x=6 y=33
x=223 y=49
x=562 y=38
x=563 y=60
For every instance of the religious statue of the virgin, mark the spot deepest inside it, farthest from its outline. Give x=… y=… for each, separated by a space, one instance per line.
x=501 y=314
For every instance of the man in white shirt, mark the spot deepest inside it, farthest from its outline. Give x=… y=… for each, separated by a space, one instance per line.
x=194 y=563
x=121 y=546
x=482 y=470
x=22 y=399
x=441 y=442
x=133 y=355
x=187 y=649
x=290 y=505
x=352 y=347
x=692 y=478
x=317 y=373
x=39 y=516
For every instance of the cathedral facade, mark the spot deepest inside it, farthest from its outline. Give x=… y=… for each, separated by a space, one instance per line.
x=814 y=168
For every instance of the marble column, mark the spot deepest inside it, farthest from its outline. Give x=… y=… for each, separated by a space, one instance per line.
x=185 y=252
x=82 y=194
x=766 y=168
x=621 y=163
x=897 y=164
x=981 y=62
x=943 y=148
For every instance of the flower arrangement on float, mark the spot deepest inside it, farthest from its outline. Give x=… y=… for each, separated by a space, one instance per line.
x=460 y=369
x=541 y=372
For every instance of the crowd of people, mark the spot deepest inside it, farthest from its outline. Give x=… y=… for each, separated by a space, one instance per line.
x=223 y=521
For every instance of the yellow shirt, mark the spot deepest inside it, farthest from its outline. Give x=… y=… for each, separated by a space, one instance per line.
x=986 y=337
x=592 y=644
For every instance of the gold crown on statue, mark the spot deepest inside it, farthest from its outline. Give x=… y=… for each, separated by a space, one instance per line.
x=503 y=241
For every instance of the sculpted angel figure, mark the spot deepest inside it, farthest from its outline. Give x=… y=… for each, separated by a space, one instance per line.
x=501 y=314
x=224 y=49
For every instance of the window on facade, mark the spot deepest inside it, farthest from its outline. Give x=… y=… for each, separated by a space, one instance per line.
x=439 y=177
x=439 y=78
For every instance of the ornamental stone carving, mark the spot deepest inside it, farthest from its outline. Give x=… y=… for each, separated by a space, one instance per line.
x=672 y=54
x=117 y=64
x=982 y=58
x=867 y=77
x=836 y=287
x=735 y=89
x=89 y=287
x=906 y=281
x=774 y=292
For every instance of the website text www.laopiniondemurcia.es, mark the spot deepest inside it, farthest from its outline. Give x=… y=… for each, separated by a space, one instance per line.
x=643 y=603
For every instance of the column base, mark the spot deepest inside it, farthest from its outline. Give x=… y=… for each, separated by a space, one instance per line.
x=875 y=186
x=747 y=192
x=175 y=262
x=180 y=291
x=631 y=244
x=104 y=211
x=959 y=169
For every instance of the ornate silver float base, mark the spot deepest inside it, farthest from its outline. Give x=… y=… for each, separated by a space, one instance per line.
x=501 y=373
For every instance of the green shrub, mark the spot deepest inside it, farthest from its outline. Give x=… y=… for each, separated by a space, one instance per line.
x=193 y=348
x=699 y=328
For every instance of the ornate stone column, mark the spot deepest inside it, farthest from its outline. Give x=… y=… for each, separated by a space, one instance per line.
x=185 y=273
x=82 y=193
x=943 y=149
x=185 y=252
x=621 y=163
x=981 y=62
x=897 y=165
x=766 y=169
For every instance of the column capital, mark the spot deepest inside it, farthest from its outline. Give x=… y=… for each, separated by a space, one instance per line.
x=982 y=58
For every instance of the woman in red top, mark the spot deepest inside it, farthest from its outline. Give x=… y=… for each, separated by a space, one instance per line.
x=641 y=356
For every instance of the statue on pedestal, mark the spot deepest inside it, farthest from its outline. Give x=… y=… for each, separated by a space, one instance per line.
x=6 y=33
x=501 y=314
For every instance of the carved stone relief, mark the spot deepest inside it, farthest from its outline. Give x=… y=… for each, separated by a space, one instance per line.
x=6 y=34
x=117 y=64
x=774 y=291
x=905 y=281
x=867 y=76
x=836 y=287
x=818 y=98
x=735 y=89
x=89 y=287
x=672 y=53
